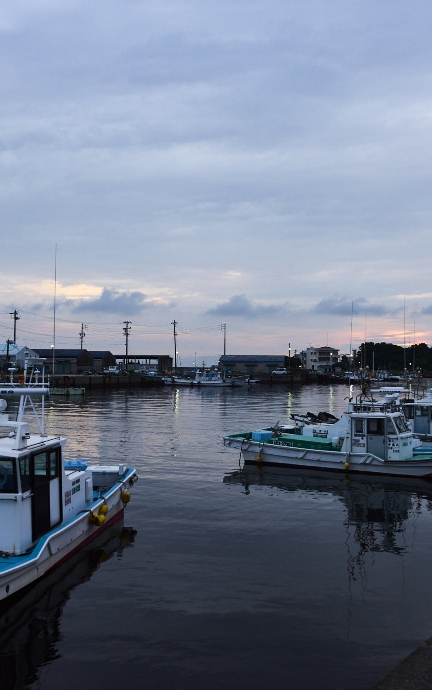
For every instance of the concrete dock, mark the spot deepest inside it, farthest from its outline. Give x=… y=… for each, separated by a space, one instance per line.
x=413 y=673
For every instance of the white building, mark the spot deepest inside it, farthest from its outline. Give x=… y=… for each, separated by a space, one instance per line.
x=15 y=354
x=319 y=358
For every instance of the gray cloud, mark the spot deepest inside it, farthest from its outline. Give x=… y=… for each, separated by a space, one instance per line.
x=114 y=302
x=340 y=306
x=240 y=305
x=172 y=145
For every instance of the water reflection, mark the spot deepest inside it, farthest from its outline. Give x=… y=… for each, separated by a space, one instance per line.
x=30 y=621
x=376 y=509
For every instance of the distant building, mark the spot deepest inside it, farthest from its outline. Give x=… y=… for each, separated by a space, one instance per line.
x=253 y=364
x=319 y=358
x=67 y=361
x=15 y=354
x=102 y=359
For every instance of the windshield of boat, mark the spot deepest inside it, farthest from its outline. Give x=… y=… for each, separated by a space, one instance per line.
x=401 y=424
x=8 y=480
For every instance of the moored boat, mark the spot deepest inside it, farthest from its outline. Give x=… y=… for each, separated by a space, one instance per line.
x=177 y=381
x=372 y=436
x=213 y=379
x=49 y=507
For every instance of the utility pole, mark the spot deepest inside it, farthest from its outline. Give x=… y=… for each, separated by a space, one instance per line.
x=8 y=342
x=82 y=333
x=174 y=324
x=16 y=318
x=223 y=328
x=126 y=329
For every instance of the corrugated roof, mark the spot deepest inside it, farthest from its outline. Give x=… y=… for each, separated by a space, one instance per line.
x=61 y=352
x=252 y=358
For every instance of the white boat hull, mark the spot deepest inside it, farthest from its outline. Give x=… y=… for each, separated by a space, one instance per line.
x=18 y=571
x=213 y=384
x=267 y=454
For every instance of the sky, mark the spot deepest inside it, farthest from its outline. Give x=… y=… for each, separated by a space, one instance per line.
x=260 y=165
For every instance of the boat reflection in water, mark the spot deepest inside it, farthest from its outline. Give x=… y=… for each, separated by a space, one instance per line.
x=30 y=619
x=377 y=507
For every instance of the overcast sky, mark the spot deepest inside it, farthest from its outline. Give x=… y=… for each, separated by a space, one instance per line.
x=264 y=165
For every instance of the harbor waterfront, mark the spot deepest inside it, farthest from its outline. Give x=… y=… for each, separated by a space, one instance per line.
x=236 y=577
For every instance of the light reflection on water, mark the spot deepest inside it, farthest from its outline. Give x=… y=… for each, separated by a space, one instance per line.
x=239 y=577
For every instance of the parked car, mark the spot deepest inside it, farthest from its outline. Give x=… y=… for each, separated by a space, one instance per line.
x=279 y=371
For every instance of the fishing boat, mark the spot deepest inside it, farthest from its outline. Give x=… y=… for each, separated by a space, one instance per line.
x=49 y=507
x=213 y=379
x=372 y=436
x=177 y=381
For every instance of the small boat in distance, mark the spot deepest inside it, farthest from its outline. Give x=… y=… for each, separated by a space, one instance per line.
x=205 y=377
x=177 y=381
x=49 y=507
x=372 y=437
x=212 y=379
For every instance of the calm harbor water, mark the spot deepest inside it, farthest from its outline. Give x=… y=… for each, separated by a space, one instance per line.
x=235 y=578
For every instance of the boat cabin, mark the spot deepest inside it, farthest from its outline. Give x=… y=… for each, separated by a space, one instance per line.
x=369 y=426
x=418 y=413
x=383 y=434
x=37 y=489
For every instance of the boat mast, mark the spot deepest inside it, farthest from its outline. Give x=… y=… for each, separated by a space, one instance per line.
x=404 y=353
x=54 y=311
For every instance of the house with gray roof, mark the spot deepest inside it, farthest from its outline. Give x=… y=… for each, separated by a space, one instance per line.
x=252 y=365
x=15 y=354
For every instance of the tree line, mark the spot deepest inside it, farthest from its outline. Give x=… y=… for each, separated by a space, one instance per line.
x=391 y=357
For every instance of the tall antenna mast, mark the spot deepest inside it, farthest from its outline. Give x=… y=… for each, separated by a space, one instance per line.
x=404 y=355
x=414 y=347
x=55 y=300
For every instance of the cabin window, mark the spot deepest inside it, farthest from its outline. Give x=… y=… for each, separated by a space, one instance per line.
x=390 y=426
x=401 y=424
x=375 y=427
x=8 y=480
x=41 y=469
x=409 y=411
x=54 y=463
x=25 y=474
x=358 y=427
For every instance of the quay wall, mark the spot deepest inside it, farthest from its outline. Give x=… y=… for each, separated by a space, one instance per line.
x=102 y=381
x=117 y=381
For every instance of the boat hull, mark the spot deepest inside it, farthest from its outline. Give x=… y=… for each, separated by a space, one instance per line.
x=254 y=452
x=18 y=571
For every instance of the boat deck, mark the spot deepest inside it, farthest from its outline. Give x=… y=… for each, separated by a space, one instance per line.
x=290 y=441
x=420 y=455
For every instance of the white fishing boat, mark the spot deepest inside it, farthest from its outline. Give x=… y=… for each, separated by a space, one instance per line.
x=372 y=436
x=213 y=379
x=177 y=381
x=49 y=507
